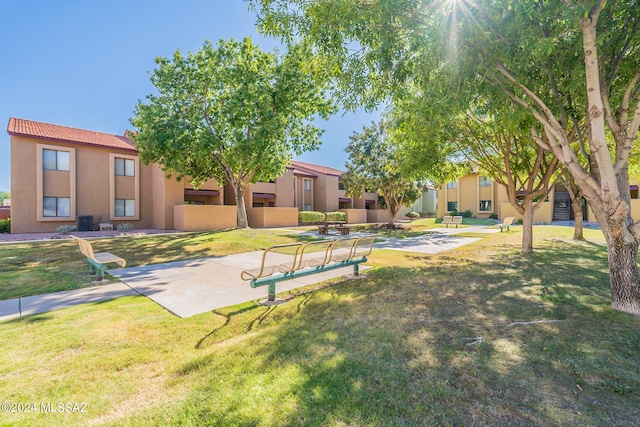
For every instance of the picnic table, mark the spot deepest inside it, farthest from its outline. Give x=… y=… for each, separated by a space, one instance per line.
x=341 y=226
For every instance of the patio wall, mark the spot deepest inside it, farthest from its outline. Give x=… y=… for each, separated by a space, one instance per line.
x=381 y=215
x=543 y=214
x=272 y=217
x=355 y=216
x=204 y=217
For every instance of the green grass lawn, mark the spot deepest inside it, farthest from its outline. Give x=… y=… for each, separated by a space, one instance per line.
x=51 y=266
x=422 y=340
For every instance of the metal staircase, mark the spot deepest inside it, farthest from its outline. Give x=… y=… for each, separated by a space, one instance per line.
x=561 y=207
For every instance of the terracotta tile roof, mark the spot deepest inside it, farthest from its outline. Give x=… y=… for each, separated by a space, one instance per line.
x=324 y=170
x=30 y=128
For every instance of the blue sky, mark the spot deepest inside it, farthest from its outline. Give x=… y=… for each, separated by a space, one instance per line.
x=85 y=64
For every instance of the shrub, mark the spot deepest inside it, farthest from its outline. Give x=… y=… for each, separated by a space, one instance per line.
x=124 y=227
x=412 y=215
x=66 y=229
x=493 y=216
x=519 y=221
x=335 y=216
x=5 y=225
x=310 y=217
x=467 y=214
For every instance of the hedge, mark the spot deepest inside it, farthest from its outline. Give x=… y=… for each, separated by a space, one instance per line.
x=335 y=216
x=5 y=225
x=310 y=217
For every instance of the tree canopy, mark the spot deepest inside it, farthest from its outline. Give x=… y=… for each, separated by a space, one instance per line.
x=230 y=112
x=375 y=162
x=570 y=65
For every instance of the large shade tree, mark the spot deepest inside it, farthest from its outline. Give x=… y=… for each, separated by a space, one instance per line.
x=572 y=65
x=502 y=146
x=375 y=161
x=230 y=112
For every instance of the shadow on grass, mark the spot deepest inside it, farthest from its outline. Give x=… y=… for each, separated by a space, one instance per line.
x=434 y=343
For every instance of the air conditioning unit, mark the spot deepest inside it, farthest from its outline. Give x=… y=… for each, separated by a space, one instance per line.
x=84 y=223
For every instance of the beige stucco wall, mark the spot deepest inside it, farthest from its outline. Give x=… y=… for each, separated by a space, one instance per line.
x=468 y=194
x=326 y=193
x=304 y=197
x=272 y=217
x=360 y=202
x=355 y=216
x=167 y=192
x=23 y=187
x=285 y=190
x=204 y=217
x=468 y=186
x=543 y=214
x=381 y=215
x=377 y=215
x=92 y=184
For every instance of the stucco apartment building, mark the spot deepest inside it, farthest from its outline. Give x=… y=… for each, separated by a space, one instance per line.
x=62 y=175
x=483 y=197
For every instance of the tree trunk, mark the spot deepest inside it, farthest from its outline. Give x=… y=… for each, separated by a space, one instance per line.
x=392 y=208
x=625 y=279
x=392 y=217
x=576 y=205
x=578 y=233
x=241 y=209
x=527 y=226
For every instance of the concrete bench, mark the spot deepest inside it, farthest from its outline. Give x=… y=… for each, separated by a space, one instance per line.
x=506 y=223
x=309 y=258
x=447 y=219
x=99 y=261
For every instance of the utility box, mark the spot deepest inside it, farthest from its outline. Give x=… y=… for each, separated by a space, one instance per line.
x=84 y=223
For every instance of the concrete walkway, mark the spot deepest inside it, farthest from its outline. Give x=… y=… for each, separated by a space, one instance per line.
x=187 y=288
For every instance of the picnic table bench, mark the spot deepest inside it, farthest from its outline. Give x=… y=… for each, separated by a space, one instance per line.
x=341 y=226
x=308 y=258
x=98 y=261
x=448 y=219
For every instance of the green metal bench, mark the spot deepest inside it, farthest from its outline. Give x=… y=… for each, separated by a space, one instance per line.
x=309 y=258
x=99 y=261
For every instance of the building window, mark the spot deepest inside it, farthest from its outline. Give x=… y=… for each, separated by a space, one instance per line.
x=307 y=207
x=452 y=184
x=307 y=184
x=485 y=181
x=485 y=205
x=125 y=167
x=258 y=205
x=452 y=206
x=55 y=160
x=56 y=207
x=125 y=207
